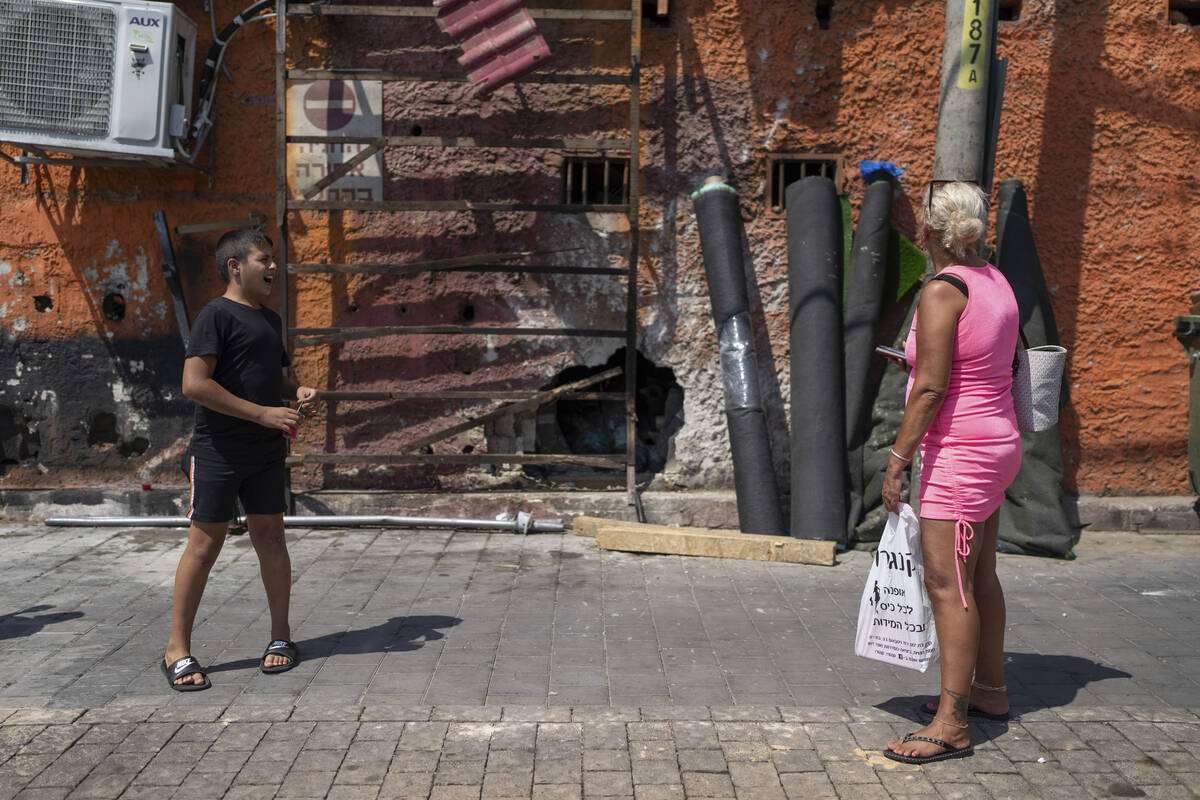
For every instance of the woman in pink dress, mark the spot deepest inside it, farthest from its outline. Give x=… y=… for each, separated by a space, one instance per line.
x=959 y=412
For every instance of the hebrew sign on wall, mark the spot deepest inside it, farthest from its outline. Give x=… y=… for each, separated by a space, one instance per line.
x=335 y=108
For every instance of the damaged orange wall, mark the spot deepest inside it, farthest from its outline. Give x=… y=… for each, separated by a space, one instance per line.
x=1101 y=119
x=88 y=400
x=1100 y=122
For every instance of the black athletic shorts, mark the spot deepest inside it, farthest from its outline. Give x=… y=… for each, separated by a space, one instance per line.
x=216 y=485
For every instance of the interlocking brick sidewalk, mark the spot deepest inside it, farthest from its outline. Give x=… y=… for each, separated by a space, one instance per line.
x=451 y=665
x=446 y=752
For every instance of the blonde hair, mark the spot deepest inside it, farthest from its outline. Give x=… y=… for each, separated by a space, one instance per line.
x=956 y=214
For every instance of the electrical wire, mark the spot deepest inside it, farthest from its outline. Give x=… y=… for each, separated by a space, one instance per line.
x=210 y=75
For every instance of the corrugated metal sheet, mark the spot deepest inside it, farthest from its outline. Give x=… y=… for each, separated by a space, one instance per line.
x=500 y=40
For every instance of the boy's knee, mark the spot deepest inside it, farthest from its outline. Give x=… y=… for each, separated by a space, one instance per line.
x=205 y=550
x=267 y=532
x=273 y=542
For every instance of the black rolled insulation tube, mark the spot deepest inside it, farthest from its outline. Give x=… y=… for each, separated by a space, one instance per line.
x=818 y=380
x=719 y=222
x=1033 y=519
x=864 y=300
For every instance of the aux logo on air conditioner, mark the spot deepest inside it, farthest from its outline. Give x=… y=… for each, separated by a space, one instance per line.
x=145 y=22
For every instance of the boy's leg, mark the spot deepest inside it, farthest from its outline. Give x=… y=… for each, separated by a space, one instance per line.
x=191 y=576
x=264 y=498
x=275 y=565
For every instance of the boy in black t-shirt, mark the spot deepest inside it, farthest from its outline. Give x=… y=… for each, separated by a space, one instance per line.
x=233 y=371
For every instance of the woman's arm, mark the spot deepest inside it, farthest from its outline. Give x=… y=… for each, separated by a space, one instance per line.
x=199 y=386
x=941 y=306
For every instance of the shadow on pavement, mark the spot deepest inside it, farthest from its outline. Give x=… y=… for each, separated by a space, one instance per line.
x=1035 y=681
x=397 y=635
x=15 y=625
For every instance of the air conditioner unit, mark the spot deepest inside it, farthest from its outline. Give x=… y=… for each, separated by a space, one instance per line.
x=90 y=77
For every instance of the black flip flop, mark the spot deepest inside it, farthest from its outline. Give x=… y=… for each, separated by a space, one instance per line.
x=972 y=711
x=181 y=668
x=280 y=647
x=951 y=751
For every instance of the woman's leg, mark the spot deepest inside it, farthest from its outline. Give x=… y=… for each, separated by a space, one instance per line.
x=957 y=630
x=989 y=664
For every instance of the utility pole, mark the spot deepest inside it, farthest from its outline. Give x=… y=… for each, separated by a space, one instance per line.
x=972 y=89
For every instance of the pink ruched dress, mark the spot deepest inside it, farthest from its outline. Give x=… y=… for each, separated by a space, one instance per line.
x=972 y=450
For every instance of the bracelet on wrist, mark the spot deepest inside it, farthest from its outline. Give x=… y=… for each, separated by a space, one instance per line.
x=902 y=458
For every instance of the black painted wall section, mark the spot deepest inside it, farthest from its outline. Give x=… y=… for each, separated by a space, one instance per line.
x=87 y=412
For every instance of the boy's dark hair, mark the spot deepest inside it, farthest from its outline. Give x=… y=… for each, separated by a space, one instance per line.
x=237 y=245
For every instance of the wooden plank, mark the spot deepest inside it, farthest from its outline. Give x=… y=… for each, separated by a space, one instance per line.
x=311 y=337
x=582 y=79
x=517 y=407
x=282 y=193
x=560 y=143
x=453 y=205
x=572 y=14
x=343 y=169
x=614 y=461
x=348 y=395
x=415 y=267
x=631 y=285
x=714 y=543
x=588 y=526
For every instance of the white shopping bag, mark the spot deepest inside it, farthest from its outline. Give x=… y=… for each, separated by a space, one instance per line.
x=895 y=620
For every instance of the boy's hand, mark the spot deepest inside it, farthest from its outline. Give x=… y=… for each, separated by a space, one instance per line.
x=308 y=397
x=280 y=418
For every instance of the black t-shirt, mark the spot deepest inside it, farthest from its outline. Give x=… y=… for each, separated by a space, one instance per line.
x=248 y=344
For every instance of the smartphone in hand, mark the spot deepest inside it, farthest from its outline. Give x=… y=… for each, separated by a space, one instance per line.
x=892 y=354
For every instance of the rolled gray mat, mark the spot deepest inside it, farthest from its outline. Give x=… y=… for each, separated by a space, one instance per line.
x=864 y=298
x=817 y=379
x=1032 y=518
x=720 y=225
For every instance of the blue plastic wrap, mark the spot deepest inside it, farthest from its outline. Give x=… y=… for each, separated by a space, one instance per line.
x=874 y=170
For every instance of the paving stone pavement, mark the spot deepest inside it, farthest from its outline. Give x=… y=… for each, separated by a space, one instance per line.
x=449 y=665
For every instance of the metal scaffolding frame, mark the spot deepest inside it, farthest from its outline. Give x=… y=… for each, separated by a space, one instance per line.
x=512 y=401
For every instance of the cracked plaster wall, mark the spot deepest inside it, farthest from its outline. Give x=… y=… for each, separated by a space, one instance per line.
x=1100 y=122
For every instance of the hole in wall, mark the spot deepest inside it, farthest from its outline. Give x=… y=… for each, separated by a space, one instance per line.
x=136 y=446
x=594 y=425
x=19 y=440
x=415 y=130
x=42 y=302
x=353 y=308
x=1009 y=10
x=113 y=307
x=657 y=12
x=824 y=13
x=402 y=310
x=102 y=429
x=1184 y=12
x=467 y=313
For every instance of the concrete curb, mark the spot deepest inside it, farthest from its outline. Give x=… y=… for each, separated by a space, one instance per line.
x=705 y=509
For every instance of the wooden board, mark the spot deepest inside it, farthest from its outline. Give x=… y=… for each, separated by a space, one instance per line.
x=587 y=526
x=713 y=543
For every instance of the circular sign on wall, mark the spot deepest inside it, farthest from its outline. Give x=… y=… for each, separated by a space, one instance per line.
x=329 y=105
